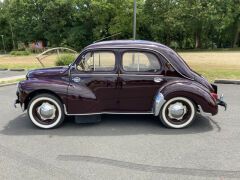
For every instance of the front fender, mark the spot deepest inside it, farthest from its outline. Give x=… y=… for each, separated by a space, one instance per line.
x=191 y=90
x=55 y=86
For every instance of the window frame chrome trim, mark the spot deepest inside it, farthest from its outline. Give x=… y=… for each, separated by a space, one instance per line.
x=137 y=51
x=78 y=59
x=120 y=47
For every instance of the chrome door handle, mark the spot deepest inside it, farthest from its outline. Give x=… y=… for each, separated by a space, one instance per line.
x=157 y=80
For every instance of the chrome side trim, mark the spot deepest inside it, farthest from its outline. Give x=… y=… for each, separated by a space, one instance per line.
x=158 y=103
x=86 y=114
x=202 y=112
x=94 y=74
x=141 y=75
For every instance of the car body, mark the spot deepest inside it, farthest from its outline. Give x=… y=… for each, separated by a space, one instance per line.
x=122 y=77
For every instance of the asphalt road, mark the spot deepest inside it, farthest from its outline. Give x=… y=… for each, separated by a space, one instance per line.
x=4 y=74
x=121 y=146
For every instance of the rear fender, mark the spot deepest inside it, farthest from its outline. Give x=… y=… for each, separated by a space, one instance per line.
x=191 y=90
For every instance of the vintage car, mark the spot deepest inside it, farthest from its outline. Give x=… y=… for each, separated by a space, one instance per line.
x=119 y=77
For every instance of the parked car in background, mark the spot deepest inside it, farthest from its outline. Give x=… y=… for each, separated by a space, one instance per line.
x=119 y=77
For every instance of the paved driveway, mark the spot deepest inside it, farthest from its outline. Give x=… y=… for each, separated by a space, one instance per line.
x=121 y=147
x=4 y=74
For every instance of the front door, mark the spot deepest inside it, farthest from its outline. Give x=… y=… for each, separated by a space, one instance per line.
x=140 y=78
x=93 y=83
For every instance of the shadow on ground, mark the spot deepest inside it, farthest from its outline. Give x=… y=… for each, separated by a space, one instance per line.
x=111 y=125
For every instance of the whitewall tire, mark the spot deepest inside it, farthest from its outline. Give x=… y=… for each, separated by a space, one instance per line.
x=46 y=111
x=178 y=112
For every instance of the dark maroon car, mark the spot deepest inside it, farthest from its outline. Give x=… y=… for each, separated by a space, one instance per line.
x=119 y=77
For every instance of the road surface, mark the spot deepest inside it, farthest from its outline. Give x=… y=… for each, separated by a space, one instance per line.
x=121 y=146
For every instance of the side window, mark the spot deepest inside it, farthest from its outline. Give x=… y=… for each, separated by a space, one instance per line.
x=140 y=62
x=97 y=61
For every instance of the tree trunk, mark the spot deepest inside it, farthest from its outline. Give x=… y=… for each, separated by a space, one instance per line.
x=197 y=39
x=236 y=36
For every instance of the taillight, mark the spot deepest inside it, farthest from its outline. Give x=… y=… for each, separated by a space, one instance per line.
x=215 y=96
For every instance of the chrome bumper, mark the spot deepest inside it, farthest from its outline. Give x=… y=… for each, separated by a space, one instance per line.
x=202 y=112
x=220 y=102
x=16 y=102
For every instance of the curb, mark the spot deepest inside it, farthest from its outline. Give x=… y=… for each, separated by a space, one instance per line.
x=8 y=84
x=16 y=69
x=3 y=69
x=6 y=69
x=227 y=81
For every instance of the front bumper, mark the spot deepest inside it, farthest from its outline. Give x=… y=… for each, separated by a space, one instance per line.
x=17 y=101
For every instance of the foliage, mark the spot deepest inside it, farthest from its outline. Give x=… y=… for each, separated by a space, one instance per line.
x=65 y=59
x=20 y=53
x=183 y=24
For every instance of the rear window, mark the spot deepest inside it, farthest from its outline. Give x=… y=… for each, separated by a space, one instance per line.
x=140 y=62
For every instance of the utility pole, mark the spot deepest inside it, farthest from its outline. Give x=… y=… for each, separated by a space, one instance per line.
x=3 y=44
x=134 y=19
x=13 y=43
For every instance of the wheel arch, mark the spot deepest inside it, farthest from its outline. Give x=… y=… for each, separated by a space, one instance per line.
x=200 y=96
x=38 y=92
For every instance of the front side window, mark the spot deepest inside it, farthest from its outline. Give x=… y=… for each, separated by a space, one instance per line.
x=97 y=61
x=140 y=62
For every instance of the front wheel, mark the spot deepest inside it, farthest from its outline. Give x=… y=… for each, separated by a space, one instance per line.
x=178 y=112
x=46 y=111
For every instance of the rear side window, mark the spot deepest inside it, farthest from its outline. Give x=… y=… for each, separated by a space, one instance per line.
x=140 y=62
x=97 y=61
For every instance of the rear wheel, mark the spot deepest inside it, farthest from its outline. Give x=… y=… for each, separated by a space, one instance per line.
x=178 y=112
x=46 y=111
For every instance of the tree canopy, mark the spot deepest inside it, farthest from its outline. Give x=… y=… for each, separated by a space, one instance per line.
x=182 y=24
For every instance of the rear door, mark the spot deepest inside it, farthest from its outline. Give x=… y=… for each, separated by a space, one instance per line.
x=93 y=83
x=141 y=75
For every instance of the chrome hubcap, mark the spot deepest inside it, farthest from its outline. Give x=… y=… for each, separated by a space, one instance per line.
x=46 y=111
x=177 y=111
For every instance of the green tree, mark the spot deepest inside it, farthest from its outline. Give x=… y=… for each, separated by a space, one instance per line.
x=77 y=23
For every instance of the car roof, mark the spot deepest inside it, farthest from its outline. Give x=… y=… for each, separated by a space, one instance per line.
x=173 y=58
x=127 y=43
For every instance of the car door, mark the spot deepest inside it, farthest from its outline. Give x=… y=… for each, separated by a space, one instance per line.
x=93 y=83
x=140 y=78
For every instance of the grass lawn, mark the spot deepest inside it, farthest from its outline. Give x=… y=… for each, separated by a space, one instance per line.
x=212 y=65
x=26 y=62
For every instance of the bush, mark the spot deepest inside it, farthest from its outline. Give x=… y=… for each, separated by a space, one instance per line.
x=65 y=59
x=20 y=53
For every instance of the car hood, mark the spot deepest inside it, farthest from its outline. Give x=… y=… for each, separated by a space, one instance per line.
x=55 y=71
